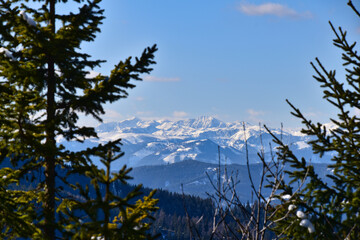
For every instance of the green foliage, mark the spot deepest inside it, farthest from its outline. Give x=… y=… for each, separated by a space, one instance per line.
x=17 y=215
x=133 y=220
x=332 y=210
x=43 y=87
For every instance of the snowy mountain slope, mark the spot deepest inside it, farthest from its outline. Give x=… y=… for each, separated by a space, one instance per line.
x=150 y=142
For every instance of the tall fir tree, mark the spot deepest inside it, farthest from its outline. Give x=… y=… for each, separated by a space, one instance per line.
x=104 y=214
x=318 y=210
x=44 y=86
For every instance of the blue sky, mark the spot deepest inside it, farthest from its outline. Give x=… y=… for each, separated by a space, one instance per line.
x=234 y=60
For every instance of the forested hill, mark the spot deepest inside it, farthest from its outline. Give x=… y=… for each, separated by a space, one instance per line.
x=174 y=213
x=196 y=177
x=170 y=220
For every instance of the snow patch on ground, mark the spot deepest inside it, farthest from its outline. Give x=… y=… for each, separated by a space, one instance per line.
x=143 y=153
x=183 y=149
x=170 y=158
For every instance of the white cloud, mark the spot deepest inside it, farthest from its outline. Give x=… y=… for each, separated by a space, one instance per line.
x=112 y=116
x=109 y=116
x=274 y=9
x=92 y=74
x=356 y=112
x=255 y=113
x=87 y=120
x=179 y=114
x=160 y=79
x=144 y=114
x=139 y=99
x=312 y=114
x=315 y=115
x=254 y=116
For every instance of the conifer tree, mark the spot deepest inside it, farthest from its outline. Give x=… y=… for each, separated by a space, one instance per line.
x=318 y=210
x=44 y=86
x=97 y=213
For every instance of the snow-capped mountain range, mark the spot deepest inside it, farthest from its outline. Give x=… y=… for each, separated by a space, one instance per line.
x=157 y=142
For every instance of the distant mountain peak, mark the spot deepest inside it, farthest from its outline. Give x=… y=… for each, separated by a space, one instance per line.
x=156 y=142
x=132 y=120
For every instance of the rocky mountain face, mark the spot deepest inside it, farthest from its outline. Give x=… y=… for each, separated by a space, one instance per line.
x=205 y=139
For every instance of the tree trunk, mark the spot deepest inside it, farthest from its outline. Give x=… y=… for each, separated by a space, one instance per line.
x=50 y=156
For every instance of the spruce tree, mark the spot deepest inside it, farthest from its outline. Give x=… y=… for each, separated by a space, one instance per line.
x=44 y=86
x=107 y=215
x=318 y=210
